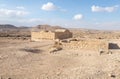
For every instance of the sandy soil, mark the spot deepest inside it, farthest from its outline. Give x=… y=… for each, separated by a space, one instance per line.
x=23 y=59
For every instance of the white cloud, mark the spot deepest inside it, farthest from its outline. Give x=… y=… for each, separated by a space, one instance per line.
x=20 y=7
x=49 y=6
x=78 y=16
x=9 y=12
x=104 y=9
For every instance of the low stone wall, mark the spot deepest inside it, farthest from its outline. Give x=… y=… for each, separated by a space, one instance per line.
x=97 y=45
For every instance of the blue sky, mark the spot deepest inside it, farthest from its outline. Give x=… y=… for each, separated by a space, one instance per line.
x=91 y=14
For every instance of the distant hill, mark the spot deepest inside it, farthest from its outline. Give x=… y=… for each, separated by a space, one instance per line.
x=7 y=26
x=8 y=30
x=46 y=27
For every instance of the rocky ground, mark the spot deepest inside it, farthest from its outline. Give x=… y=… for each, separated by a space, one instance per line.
x=24 y=59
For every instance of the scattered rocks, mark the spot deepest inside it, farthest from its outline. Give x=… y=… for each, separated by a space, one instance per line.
x=55 y=49
x=105 y=52
x=5 y=77
x=102 y=52
x=112 y=75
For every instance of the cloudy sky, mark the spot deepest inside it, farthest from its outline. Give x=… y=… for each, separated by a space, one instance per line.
x=91 y=14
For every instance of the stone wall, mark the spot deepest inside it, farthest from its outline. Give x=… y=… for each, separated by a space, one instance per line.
x=36 y=36
x=97 y=45
x=63 y=35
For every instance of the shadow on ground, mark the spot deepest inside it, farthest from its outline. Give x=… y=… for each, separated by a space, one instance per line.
x=31 y=50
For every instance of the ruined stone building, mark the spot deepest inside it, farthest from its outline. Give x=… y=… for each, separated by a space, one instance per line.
x=87 y=44
x=51 y=35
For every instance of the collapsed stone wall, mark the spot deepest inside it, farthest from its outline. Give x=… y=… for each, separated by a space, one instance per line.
x=97 y=45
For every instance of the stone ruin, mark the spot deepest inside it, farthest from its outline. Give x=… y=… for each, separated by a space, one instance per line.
x=51 y=35
x=86 y=44
x=100 y=45
x=81 y=44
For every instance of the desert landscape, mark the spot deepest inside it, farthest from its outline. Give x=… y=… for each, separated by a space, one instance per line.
x=88 y=54
x=59 y=39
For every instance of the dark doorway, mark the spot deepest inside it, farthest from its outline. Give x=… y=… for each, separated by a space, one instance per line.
x=113 y=46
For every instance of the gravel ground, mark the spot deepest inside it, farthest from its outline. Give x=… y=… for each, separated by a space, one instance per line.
x=23 y=59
